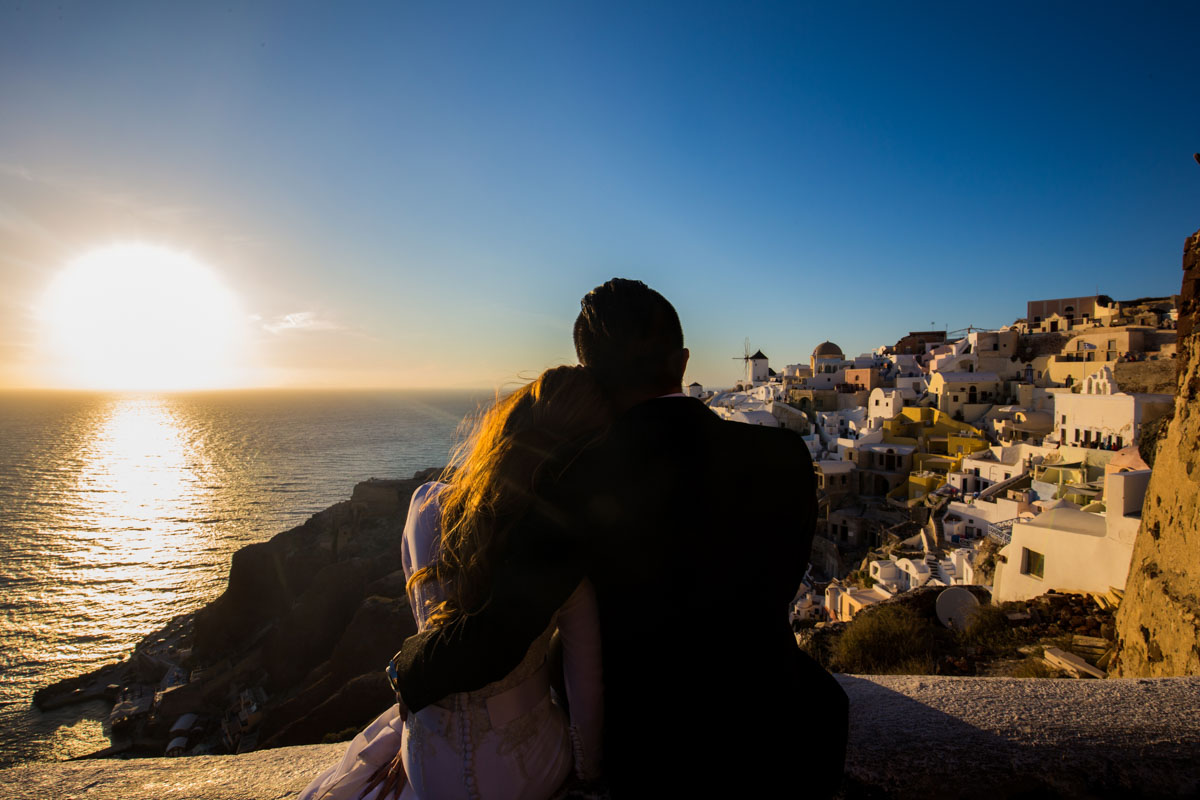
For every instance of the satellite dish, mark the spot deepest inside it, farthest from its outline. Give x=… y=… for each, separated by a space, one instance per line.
x=956 y=607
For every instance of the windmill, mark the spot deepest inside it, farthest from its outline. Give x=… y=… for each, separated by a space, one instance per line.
x=745 y=358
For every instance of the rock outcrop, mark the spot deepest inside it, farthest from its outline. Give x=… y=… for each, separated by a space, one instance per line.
x=1158 y=625
x=315 y=613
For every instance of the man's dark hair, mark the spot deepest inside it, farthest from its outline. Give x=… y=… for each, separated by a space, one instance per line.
x=627 y=333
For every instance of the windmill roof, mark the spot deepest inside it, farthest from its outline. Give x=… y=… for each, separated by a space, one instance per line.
x=757 y=354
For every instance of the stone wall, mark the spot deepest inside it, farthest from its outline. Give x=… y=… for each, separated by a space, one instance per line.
x=1158 y=625
x=910 y=737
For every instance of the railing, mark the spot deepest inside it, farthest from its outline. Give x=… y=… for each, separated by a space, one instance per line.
x=1002 y=531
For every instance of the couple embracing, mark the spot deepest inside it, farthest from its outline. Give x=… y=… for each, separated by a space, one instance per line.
x=599 y=508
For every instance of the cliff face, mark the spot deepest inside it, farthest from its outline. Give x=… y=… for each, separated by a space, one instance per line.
x=313 y=616
x=1158 y=625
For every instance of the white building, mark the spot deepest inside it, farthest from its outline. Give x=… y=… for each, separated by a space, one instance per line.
x=952 y=357
x=693 y=390
x=912 y=386
x=995 y=465
x=1101 y=416
x=905 y=574
x=883 y=404
x=971 y=519
x=842 y=422
x=749 y=416
x=1072 y=550
x=906 y=364
x=843 y=602
x=808 y=605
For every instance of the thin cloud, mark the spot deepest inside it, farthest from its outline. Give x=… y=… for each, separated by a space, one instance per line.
x=300 y=321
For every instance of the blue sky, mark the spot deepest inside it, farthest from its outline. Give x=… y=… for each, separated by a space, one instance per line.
x=432 y=186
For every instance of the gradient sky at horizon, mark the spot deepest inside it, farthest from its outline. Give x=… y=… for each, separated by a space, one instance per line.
x=416 y=195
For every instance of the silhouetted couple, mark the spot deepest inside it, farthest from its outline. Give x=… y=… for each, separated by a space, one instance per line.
x=663 y=546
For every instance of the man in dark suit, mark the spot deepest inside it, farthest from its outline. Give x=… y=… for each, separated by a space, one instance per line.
x=695 y=533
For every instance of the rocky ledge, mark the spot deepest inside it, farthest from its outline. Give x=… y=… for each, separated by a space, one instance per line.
x=910 y=737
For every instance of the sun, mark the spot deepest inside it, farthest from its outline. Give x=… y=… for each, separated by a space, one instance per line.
x=140 y=316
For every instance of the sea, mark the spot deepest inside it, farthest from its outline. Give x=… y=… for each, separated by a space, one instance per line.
x=121 y=511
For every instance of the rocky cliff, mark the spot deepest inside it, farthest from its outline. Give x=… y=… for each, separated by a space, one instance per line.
x=313 y=616
x=1158 y=625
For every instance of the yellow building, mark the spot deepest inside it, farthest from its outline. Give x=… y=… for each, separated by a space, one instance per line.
x=942 y=443
x=969 y=394
x=1092 y=350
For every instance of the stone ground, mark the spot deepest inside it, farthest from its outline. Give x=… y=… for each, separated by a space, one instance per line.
x=910 y=736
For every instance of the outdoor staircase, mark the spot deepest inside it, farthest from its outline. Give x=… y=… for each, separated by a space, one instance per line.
x=932 y=536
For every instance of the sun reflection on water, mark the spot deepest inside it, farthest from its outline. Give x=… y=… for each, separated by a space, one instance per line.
x=118 y=513
x=141 y=483
x=123 y=554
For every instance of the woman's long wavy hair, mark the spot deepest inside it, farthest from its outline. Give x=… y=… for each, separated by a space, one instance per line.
x=493 y=473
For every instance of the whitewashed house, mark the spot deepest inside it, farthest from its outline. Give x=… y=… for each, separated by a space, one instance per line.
x=1100 y=416
x=1068 y=549
x=883 y=404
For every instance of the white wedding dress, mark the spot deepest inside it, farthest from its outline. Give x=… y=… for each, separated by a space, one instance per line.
x=506 y=741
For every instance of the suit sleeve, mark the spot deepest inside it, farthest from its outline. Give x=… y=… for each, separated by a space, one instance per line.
x=542 y=569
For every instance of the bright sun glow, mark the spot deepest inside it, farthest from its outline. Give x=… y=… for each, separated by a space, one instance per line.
x=138 y=316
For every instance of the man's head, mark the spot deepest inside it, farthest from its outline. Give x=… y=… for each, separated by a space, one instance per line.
x=630 y=336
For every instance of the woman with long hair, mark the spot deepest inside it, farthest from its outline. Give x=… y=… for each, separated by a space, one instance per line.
x=507 y=739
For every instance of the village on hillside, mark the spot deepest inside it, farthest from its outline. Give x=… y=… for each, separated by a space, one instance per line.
x=1005 y=458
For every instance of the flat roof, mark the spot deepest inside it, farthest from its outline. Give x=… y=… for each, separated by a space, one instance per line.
x=883 y=447
x=1070 y=520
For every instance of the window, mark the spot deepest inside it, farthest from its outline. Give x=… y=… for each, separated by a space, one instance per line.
x=1077 y=434
x=1064 y=419
x=1032 y=563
